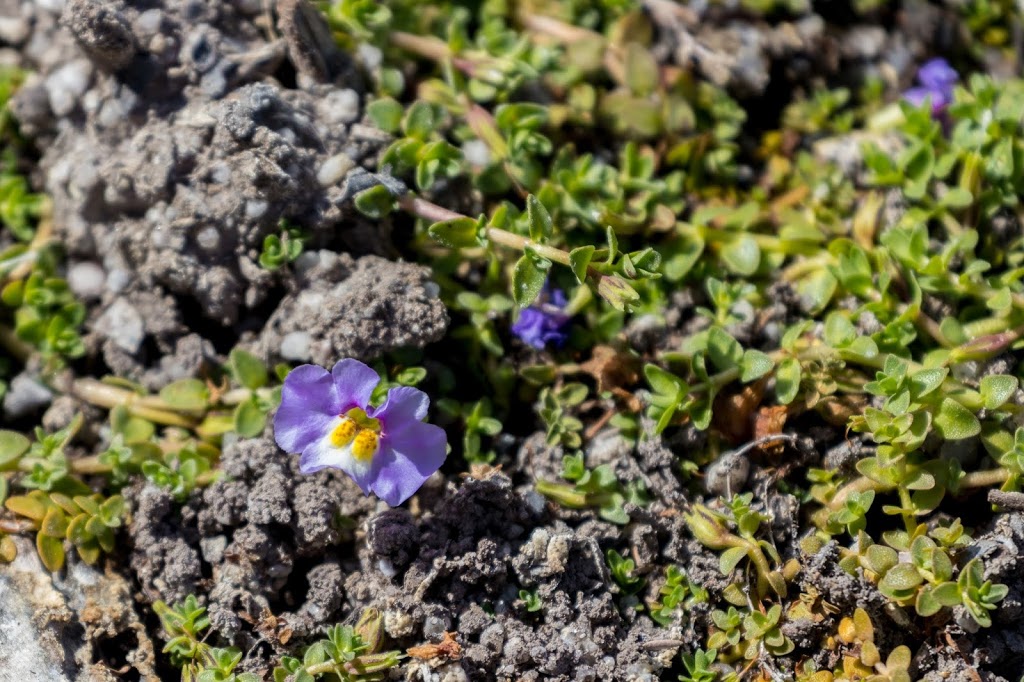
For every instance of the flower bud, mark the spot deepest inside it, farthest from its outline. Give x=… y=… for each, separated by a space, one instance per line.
x=370 y=629
x=707 y=528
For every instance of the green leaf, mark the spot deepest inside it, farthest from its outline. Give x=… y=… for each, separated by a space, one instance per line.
x=249 y=419
x=925 y=381
x=457 y=232
x=375 y=202
x=248 y=370
x=725 y=352
x=787 y=380
x=186 y=394
x=641 y=70
x=996 y=389
x=663 y=382
x=420 y=120
x=386 y=114
x=957 y=198
x=742 y=255
x=956 y=422
x=730 y=559
x=901 y=577
x=527 y=281
x=579 y=261
x=754 y=365
x=51 y=552
x=927 y=604
x=12 y=446
x=816 y=290
x=839 y=331
x=539 y=220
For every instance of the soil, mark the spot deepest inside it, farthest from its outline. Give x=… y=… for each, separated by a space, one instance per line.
x=175 y=136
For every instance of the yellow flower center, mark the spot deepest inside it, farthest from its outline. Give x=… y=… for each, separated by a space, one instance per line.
x=358 y=430
x=343 y=433
x=365 y=445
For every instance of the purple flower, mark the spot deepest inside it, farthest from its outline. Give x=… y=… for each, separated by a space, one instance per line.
x=544 y=322
x=327 y=417
x=937 y=80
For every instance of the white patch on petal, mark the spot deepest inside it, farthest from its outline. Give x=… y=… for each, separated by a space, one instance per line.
x=321 y=453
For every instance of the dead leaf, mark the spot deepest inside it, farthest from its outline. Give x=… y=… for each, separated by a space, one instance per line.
x=614 y=371
x=447 y=649
x=769 y=422
x=733 y=413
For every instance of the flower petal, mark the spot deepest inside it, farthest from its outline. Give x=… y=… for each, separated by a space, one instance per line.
x=407 y=458
x=354 y=382
x=917 y=96
x=404 y=404
x=937 y=75
x=309 y=401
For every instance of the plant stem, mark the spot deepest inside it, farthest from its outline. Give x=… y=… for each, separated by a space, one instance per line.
x=323 y=668
x=984 y=479
x=146 y=407
x=430 y=211
x=976 y=479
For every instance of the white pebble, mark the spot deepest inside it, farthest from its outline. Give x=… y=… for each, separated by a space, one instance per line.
x=387 y=568
x=334 y=169
x=295 y=346
x=371 y=56
x=255 y=208
x=13 y=30
x=149 y=22
x=208 y=239
x=341 y=106
x=67 y=84
x=477 y=153
x=122 y=324
x=117 y=280
x=86 y=279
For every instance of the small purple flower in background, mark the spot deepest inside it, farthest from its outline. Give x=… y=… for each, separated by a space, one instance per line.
x=937 y=80
x=327 y=417
x=545 y=321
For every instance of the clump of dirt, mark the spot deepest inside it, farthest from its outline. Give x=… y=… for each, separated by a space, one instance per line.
x=174 y=146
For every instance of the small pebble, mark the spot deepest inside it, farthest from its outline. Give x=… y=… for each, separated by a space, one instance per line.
x=67 y=84
x=122 y=324
x=477 y=153
x=208 y=239
x=371 y=56
x=25 y=396
x=295 y=346
x=434 y=628
x=727 y=475
x=334 y=169
x=87 y=280
x=340 y=106
x=13 y=30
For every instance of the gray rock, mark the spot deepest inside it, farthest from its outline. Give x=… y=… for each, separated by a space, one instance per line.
x=52 y=627
x=122 y=324
x=25 y=396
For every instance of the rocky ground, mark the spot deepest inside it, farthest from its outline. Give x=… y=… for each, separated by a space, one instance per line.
x=174 y=136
